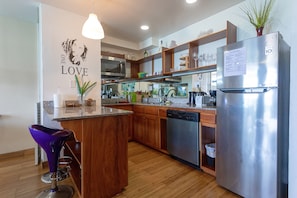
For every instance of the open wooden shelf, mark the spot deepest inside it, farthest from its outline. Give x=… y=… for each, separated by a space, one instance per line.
x=73 y=149
x=207 y=136
x=168 y=54
x=199 y=69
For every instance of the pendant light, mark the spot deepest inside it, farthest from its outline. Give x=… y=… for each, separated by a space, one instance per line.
x=92 y=28
x=191 y=1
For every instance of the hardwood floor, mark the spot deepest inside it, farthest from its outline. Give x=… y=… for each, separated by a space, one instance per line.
x=151 y=174
x=20 y=178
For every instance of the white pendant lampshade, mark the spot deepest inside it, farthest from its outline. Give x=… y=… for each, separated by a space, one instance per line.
x=92 y=28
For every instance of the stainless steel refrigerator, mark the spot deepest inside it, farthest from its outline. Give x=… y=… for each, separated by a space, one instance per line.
x=253 y=88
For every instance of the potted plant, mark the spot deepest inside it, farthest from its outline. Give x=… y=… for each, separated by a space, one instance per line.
x=258 y=16
x=83 y=88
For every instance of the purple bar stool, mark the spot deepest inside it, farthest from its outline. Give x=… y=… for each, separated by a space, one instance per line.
x=52 y=141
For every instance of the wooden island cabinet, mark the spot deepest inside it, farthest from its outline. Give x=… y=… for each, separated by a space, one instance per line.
x=129 y=124
x=100 y=149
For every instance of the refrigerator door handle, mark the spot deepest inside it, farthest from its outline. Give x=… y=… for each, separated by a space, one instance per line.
x=247 y=90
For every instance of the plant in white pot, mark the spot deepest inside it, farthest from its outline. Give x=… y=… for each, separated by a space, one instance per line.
x=83 y=88
x=258 y=16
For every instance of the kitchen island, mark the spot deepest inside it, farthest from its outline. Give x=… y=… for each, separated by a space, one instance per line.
x=100 y=149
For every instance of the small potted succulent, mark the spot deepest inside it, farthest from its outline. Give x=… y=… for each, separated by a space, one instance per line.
x=83 y=88
x=258 y=16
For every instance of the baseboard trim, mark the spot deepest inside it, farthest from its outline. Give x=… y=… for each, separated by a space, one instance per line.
x=21 y=153
x=44 y=164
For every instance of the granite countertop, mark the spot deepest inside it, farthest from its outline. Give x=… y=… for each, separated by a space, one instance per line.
x=73 y=113
x=172 y=105
x=180 y=105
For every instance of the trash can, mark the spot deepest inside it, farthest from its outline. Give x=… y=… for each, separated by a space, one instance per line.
x=210 y=154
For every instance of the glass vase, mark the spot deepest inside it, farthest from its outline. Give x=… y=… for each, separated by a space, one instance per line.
x=259 y=31
x=81 y=99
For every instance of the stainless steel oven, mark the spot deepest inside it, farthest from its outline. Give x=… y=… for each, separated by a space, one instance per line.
x=183 y=135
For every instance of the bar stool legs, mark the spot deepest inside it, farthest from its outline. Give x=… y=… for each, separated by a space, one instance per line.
x=62 y=171
x=61 y=191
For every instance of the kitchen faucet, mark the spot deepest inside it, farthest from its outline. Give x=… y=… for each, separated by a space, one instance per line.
x=172 y=94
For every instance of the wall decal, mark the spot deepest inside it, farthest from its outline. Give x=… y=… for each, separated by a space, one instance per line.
x=76 y=53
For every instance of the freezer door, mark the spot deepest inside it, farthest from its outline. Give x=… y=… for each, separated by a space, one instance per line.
x=247 y=142
x=249 y=63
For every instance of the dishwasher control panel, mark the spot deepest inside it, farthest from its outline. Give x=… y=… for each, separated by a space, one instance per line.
x=183 y=115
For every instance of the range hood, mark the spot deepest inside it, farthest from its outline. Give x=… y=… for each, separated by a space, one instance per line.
x=112 y=76
x=172 y=79
x=168 y=80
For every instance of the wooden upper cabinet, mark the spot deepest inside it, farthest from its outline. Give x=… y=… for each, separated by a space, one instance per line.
x=162 y=64
x=134 y=69
x=192 y=47
x=231 y=33
x=151 y=64
x=103 y=53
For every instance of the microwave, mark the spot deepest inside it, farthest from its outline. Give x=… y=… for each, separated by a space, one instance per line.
x=113 y=67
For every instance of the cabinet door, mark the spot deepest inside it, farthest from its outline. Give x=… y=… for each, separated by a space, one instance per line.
x=139 y=128
x=130 y=120
x=152 y=134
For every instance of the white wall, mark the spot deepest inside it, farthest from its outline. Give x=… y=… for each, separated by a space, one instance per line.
x=58 y=26
x=288 y=20
x=21 y=63
x=18 y=83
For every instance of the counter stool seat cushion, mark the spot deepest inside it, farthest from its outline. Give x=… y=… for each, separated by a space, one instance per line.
x=52 y=141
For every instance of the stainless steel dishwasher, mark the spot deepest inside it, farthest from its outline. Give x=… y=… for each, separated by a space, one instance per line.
x=183 y=136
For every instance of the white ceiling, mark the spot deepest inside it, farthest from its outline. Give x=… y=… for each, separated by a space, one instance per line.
x=122 y=18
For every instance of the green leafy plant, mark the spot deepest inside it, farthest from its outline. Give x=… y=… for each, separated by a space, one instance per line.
x=84 y=87
x=258 y=17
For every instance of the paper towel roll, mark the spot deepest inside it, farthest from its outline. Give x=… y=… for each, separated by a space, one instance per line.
x=199 y=101
x=58 y=102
